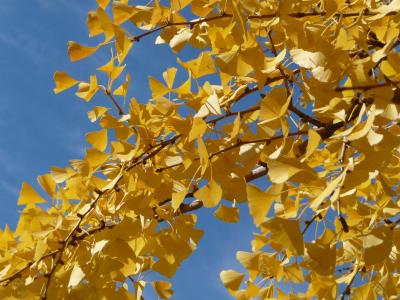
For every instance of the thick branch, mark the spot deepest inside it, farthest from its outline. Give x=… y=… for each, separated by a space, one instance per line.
x=185 y=208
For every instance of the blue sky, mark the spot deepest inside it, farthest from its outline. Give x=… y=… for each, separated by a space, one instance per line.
x=40 y=129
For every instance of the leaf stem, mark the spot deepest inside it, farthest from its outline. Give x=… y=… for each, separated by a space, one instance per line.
x=113 y=100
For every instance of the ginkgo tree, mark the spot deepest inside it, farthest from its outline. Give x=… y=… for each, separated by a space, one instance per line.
x=303 y=94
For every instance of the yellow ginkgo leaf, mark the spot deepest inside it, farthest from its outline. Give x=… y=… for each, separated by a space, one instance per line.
x=48 y=184
x=231 y=279
x=103 y=3
x=95 y=157
x=122 y=43
x=203 y=155
x=260 y=202
x=321 y=258
x=307 y=59
x=199 y=127
x=180 y=39
x=163 y=289
x=185 y=88
x=235 y=128
x=165 y=268
x=178 y=197
x=274 y=105
x=312 y=144
x=86 y=90
x=201 y=66
x=93 y=24
x=294 y=273
x=28 y=195
x=157 y=88
x=169 y=77
x=227 y=214
x=97 y=112
x=108 y=67
x=76 y=277
x=363 y=292
x=280 y=172
x=40 y=249
x=61 y=174
x=316 y=61
x=377 y=244
x=122 y=90
x=179 y=4
x=212 y=106
x=286 y=233
x=330 y=188
x=374 y=138
x=77 y=52
x=63 y=81
x=249 y=260
x=106 y=24
x=362 y=129
x=240 y=29
x=209 y=194
x=111 y=69
x=98 y=139
x=122 y=12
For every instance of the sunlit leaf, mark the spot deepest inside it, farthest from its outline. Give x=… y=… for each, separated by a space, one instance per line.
x=98 y=139
x=209 y=194
x=377 y=245
x=63 y=82
x=28 y=195
x=227 y=214
x=231 y=279
x=77 y=52
x=76 y=276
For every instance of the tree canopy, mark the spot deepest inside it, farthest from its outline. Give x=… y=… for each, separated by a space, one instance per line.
x=288 y=107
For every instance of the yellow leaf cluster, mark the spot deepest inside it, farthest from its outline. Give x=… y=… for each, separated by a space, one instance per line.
x=289 y=108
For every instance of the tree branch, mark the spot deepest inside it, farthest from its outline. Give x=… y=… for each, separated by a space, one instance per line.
x=237 y=144
x=309 y=222
x=306 y=117
x=365 y=87
x=297 y=15
x=347 y=290
x=18 y=273
x=109 y=95
x=66 y=241
x=342 y=220
x=292 y=107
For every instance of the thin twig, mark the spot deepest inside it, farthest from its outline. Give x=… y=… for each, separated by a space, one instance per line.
x=292 y=107
x=298 y=15
x=347 y=290
x=69 y=239
x=18 y=273
x=309 y=222
x=109 y=95
x=237 y=144
x=342 y=220
x=306 y=117
x=365 y=87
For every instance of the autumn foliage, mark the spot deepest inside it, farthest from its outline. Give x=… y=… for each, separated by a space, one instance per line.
x=301 y=95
